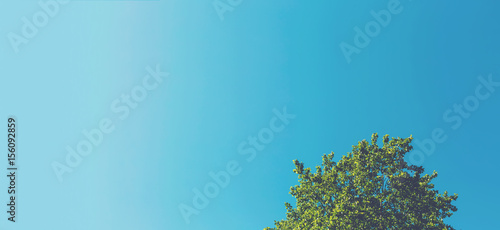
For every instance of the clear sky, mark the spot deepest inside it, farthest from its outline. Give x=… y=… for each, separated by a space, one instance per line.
x=230 y=80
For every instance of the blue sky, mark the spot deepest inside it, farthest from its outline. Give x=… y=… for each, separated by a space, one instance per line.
x=227 y=78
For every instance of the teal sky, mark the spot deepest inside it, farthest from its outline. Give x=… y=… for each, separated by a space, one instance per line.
x=226 y=78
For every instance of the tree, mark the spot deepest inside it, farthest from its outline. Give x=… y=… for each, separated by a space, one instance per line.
x=371 y=187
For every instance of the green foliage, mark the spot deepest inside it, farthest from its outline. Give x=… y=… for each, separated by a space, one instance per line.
x=371 y=188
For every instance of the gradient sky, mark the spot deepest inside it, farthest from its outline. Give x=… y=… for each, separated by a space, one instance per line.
x=226 y=78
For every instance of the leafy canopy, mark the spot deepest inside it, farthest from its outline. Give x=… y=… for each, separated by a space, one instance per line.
x=371 y=188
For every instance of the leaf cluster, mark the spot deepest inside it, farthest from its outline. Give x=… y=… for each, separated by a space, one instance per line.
x=372 y=187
